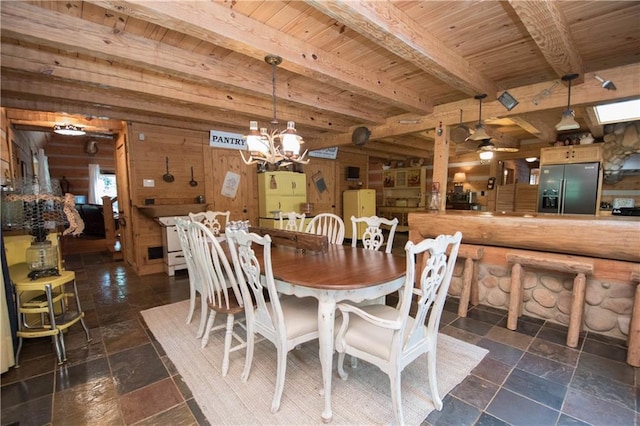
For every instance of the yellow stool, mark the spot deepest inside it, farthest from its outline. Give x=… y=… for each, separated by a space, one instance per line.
x=49 y=292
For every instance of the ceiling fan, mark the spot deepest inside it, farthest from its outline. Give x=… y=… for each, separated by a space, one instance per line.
x=481 y=137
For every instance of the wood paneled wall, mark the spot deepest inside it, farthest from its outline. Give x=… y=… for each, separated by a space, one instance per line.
x=190 y=148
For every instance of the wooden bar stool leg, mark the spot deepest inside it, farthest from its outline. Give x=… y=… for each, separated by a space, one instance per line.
x=515 y=296
x=475 y=292
x=577 y=310
x=633 y=352
x=465 y=293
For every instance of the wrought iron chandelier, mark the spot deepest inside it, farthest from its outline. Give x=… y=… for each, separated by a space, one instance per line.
x=277 y=147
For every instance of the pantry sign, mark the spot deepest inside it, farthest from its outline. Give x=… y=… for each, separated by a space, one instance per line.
x=226 y=140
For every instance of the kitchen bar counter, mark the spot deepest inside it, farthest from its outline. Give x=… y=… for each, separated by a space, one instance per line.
x=606 y=237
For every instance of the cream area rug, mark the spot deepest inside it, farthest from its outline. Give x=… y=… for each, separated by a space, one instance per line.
x=364 y=398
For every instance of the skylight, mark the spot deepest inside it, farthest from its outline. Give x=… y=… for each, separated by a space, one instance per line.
x=618 y=112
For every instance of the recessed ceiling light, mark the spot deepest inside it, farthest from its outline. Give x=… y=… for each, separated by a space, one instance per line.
x=618 y=112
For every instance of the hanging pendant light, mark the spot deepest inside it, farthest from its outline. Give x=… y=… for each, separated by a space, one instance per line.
x=568 y=121
x=480 y=133
x=276 y=147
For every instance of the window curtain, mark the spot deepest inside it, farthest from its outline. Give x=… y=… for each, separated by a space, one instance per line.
x=94 y=179
x=44 y=178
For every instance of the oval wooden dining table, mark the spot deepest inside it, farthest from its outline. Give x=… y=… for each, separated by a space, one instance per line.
x=343 y=273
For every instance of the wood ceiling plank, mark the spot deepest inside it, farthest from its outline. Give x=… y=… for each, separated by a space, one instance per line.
x=145 y=84
x=398 y=33
x=547 y=25
x=211 y=21
x=31 y=24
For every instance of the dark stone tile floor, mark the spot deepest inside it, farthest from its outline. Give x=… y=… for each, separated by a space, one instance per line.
x=123 y=376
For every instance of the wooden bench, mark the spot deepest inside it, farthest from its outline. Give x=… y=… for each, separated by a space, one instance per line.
x=469 y=289
x=581 y=266
x=633 y=336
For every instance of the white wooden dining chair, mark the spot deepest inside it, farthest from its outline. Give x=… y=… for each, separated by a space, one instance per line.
x=286 y=321
x=195 y=282
x=327 y=224
x=373 y=237
x=389 y=337
x=210 y=219
x=223 y=294
x=292 y=221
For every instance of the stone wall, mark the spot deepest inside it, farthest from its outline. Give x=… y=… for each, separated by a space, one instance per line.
x=548 y=296
x=620 y=141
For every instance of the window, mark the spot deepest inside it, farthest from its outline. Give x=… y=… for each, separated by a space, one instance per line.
x=107 y=186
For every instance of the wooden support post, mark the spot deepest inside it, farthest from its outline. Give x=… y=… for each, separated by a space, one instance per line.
x=577 y=309
x=633 y=336
x=515 y=297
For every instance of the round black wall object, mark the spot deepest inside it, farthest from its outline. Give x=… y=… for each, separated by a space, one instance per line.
x=360 y=136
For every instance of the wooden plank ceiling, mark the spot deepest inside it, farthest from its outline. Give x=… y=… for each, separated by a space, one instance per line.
x=398 y=68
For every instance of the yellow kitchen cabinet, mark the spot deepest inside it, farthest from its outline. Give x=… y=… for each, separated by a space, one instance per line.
x=358 y=203
x=281 y=191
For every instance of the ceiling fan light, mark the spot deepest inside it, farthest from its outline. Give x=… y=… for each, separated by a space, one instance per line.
x=486 y=155
x=68 y=130
x=567 y=122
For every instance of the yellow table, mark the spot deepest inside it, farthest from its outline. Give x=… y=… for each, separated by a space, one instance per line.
x=42 y=295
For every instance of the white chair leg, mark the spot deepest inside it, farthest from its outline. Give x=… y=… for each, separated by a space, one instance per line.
x=249 y=354
x=396 y=396
x=210 y=321
x=203 y=315
x=192 y=303
x=433 y=382
x=228 y=339
x=354 y=362
x=343 y=374
x=282 y=370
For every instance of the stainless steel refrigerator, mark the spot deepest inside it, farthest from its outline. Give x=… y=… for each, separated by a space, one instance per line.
x=568 y=188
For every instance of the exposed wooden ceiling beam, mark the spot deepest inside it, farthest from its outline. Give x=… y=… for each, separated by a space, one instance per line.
x=37 y=25
x=218 y=23
x=550 y=31
x=627 y=79
x=393 y=146
x=389 y=27
x=536 y=127
x=13 y=85
x=84 y=71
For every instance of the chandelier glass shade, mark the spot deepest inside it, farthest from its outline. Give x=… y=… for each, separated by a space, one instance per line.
x=276 y=147
x=68 y=130
x=568 y=121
